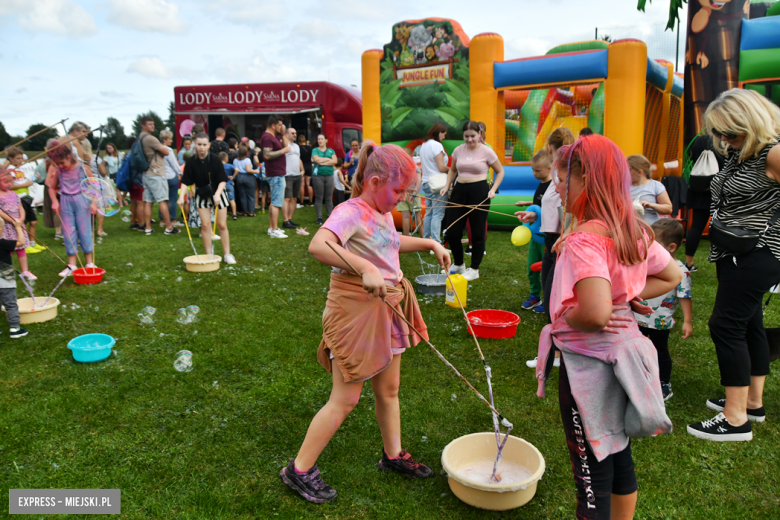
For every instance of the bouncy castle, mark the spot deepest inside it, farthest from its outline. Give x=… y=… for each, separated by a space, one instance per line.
x=442 y=75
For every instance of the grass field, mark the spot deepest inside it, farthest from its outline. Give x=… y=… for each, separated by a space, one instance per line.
x=209 y=444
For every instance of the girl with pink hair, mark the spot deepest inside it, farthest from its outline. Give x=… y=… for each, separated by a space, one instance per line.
x=609 y=387
x=361 y=338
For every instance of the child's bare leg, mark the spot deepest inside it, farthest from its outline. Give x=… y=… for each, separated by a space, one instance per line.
x=88 y=257
x=31 y=230
x=343 y=399
x=205 y=227
x=233 y=207
x=22 y=262
x=405 y=222
x=388 y=410
x=223 y=230
x=100 y=222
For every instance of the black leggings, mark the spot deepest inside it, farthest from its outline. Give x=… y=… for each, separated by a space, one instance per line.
x=470 y=194
x=660 y=339
x=548 y=270
x=595 y=481
x=695 y=231
x=737 y=321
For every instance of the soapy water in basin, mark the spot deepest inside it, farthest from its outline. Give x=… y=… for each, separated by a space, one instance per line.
x=482 y=470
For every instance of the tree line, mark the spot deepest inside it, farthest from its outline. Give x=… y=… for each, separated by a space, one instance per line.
x=114 y=132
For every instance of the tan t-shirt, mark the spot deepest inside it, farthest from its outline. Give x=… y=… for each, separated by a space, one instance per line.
x=156 y=162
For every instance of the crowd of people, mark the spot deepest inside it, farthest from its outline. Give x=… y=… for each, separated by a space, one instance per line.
x=609 y=285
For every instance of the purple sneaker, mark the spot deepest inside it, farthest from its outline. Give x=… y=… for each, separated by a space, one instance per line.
x=309 y=485
x=405 y=465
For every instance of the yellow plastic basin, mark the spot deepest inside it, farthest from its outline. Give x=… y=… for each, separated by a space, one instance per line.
x=40 y=314
x=479 y=447
x=202 y=263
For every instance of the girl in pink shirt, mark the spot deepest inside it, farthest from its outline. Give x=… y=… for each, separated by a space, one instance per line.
x=609 y=373
x=362 y=338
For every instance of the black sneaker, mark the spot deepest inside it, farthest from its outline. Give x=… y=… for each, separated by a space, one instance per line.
x=294 y=223
x=319 y=221
x=753 y=414
x=235 y=217
x=148 y=231
x=720 y=430
x=135 y=227
x=172 y=231
x=287 y=225
x=309 y=485
x=18 y=333
x=666 y=388
x=405 y=465
x=691 y=268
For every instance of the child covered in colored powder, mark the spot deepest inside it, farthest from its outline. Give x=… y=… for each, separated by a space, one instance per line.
x=7 y=275
x=658 y=325
x=362 y=337
x=21 y=186
x=540 y=164
x=72 y=207
x=13 y=216
x=609 y=389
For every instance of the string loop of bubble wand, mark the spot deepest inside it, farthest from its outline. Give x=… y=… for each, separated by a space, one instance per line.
x=469 y=211
x=187 y=226
x=504 y=421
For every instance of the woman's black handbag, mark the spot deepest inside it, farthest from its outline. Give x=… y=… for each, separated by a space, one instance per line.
x=736 y=240
x=205 y=192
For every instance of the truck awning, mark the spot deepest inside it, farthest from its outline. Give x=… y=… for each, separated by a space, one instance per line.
x=258 y=110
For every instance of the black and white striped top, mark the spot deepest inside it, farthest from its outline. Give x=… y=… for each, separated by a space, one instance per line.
x=750 y=198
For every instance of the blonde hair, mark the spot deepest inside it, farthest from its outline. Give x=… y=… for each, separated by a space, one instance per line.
x=166 y=134
x=744 y=112
x=560 y=137
x=541 y=157
x=640 y=163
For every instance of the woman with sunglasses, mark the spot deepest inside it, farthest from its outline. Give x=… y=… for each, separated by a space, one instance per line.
x=746 y=195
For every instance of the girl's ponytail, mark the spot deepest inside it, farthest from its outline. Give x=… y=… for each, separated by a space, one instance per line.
x=357 y=181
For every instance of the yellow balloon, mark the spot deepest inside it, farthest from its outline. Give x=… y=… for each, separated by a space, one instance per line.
x=521 y=236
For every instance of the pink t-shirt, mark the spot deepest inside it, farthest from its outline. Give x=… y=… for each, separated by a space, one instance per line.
x=474 y=163
x=588 y=255
x=369 y=234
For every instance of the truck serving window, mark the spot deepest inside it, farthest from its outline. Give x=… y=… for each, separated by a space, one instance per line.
x=347 y=135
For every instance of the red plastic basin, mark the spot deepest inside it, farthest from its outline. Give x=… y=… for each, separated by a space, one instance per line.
x=88 y=275
x=493 y=324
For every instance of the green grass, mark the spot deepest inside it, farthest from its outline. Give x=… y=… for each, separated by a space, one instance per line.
x=179 y=447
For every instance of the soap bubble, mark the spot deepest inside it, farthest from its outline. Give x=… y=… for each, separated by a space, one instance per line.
x=183 y=361
x=146 y=315
x=192 y=313
x=148 y=311
x=453 y=397
x=108 y=207
x=100 y=240
x=181 y=316
x=127 y=216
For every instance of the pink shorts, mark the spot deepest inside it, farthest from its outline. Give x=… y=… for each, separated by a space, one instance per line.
x=20 y=253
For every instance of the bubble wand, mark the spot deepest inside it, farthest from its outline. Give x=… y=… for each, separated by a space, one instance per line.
x=40 y=132
x=504 y=421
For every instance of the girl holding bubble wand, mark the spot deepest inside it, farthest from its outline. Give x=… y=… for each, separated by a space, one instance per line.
x=72 y=207
x=362 y=338
x=12 y=214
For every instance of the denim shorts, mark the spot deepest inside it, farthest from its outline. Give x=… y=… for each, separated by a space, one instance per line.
x=278 y=185
x=155 y=188
x=231 y=191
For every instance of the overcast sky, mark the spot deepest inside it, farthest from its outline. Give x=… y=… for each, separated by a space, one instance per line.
x=88 y=60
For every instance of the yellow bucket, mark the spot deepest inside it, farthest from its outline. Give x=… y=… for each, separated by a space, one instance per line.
x=461 y=287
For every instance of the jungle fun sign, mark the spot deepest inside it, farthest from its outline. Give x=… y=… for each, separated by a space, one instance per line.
x=424 y=79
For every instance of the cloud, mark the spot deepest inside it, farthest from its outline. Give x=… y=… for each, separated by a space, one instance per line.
x=524 y=47
x=146 y=15
x=316 y=29
x=257 y=68
x=153 y=67
x=362 y=10
x=249 y=12
x=113 y=94
x=61 y=17
x=20 y=90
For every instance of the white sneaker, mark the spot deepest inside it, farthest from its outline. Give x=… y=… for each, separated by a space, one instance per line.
x=532 y=363
x=299 y=206
x=278 y=233
x=270 y=231
x=229 y=259
x=162 y=224
x=177 y=224
x=216 y=237
x=471 y=274
x=457 y=269
x=67 y=271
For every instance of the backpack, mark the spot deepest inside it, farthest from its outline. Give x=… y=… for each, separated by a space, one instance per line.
x=123 y=181
x=139 y=164
x=703 y=171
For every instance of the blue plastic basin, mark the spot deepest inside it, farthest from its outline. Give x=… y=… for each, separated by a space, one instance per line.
x=91 y=348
